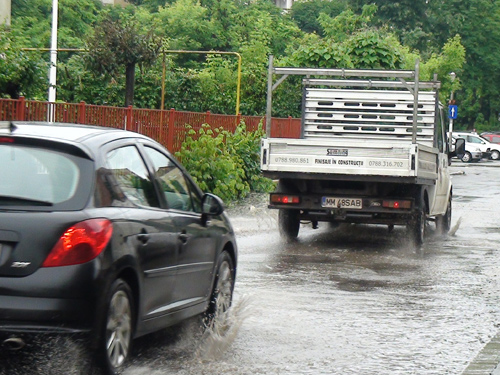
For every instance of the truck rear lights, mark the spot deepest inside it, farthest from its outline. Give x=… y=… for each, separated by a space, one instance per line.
x=80 y=243
x=396 y=204
x=285 y=199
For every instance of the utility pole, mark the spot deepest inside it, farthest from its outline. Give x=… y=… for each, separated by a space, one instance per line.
x=53 y=61
x=5 y=9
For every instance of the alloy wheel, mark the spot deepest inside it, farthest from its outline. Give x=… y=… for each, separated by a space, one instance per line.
x=118 y=328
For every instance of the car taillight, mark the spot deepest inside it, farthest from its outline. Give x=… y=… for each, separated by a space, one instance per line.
x=396 y=204
x=80 y=243
x=285 y=198
x=6 y=140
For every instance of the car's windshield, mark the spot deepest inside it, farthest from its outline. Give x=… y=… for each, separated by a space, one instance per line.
x=34 y=174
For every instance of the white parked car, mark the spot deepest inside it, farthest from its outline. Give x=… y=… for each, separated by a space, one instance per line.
x=489 y=150
x=472 y=152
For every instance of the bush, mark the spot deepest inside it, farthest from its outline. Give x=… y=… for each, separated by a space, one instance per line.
x=224 y=163
x=245 y=145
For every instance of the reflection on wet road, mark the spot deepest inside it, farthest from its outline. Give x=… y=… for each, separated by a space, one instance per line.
x=352 y=300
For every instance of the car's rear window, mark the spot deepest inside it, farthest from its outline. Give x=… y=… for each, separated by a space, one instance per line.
x=31 y=176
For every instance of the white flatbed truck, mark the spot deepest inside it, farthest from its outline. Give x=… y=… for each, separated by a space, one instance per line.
x=373 y=149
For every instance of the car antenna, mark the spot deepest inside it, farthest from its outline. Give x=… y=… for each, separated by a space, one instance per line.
x=7 y=126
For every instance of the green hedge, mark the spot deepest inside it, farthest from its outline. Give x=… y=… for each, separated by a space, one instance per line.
x=225 y=163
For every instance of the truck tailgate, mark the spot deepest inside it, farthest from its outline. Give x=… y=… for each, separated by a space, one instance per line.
x=352 y=157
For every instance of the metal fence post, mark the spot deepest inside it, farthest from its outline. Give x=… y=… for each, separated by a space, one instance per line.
x=171 y=130
x=129 y=119
x=81 y=112
x=21 y=109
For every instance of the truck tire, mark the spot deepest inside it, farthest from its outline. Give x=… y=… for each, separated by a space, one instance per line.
x=289 y=223
x=443 y=222
x=418 y=227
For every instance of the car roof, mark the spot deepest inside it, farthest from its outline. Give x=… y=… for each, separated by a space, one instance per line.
x=86 y=137
x=67 y=132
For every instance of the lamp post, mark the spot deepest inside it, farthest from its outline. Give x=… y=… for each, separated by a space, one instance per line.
x=53 y=62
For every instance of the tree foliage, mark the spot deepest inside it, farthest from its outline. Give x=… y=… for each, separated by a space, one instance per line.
x=20 y=71
x=117 y=43
x=461 y=36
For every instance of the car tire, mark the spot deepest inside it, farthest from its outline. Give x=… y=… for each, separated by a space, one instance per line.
x=495 y=155
x=289 y=224
x=117 y=328
x=222 y=293
x=467 y=158
x=443 y=222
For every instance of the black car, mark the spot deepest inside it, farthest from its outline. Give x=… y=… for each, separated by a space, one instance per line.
x=103 y=233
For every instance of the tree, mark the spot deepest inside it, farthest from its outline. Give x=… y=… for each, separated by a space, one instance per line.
x=306 y=13
x=407 y=19
x=21 y=72
x=32 y=19
x=187 y=25
x=118 y=42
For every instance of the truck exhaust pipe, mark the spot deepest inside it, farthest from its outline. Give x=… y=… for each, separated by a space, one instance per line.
x=13 y=343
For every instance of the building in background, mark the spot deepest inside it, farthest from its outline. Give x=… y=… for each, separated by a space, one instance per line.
x=5 y=12
x=284 y=4
x=114 y=2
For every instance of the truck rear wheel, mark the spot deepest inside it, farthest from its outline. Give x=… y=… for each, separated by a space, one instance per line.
x=443 y=222
x=417 y=227
x=289 y=223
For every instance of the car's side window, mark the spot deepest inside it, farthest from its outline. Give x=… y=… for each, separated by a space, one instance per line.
x=473 y=139
x=131 y=176
x=173 y=183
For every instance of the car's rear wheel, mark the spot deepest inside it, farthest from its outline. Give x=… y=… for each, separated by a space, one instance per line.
x=495 y=155
x=289 y=224
x=222 y=293
x=467 y=158
x=117 y=330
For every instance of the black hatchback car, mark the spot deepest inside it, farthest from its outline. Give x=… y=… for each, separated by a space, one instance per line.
x=103 y=232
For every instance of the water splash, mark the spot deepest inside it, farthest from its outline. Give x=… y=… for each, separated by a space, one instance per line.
x=454 y=229
x=219 y=336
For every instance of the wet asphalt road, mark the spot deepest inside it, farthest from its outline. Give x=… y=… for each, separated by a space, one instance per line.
x=354 y=300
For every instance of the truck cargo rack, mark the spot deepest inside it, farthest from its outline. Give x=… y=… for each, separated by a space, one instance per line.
x=380 y=104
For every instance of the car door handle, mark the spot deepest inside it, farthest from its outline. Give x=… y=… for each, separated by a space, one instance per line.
x=183 y=236
x=143 y=237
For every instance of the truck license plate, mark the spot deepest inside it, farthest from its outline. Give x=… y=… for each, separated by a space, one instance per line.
x=333 y=202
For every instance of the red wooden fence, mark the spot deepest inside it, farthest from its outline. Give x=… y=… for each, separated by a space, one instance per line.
x=167 y=127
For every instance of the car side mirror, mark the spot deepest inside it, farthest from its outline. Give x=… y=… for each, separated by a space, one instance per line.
x=211 y=205
x=459 y=151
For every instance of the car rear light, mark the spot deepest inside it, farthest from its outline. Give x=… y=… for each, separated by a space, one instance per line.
x=396 y=204
x=6 y=140
x=80 y=243
x=285 y=198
